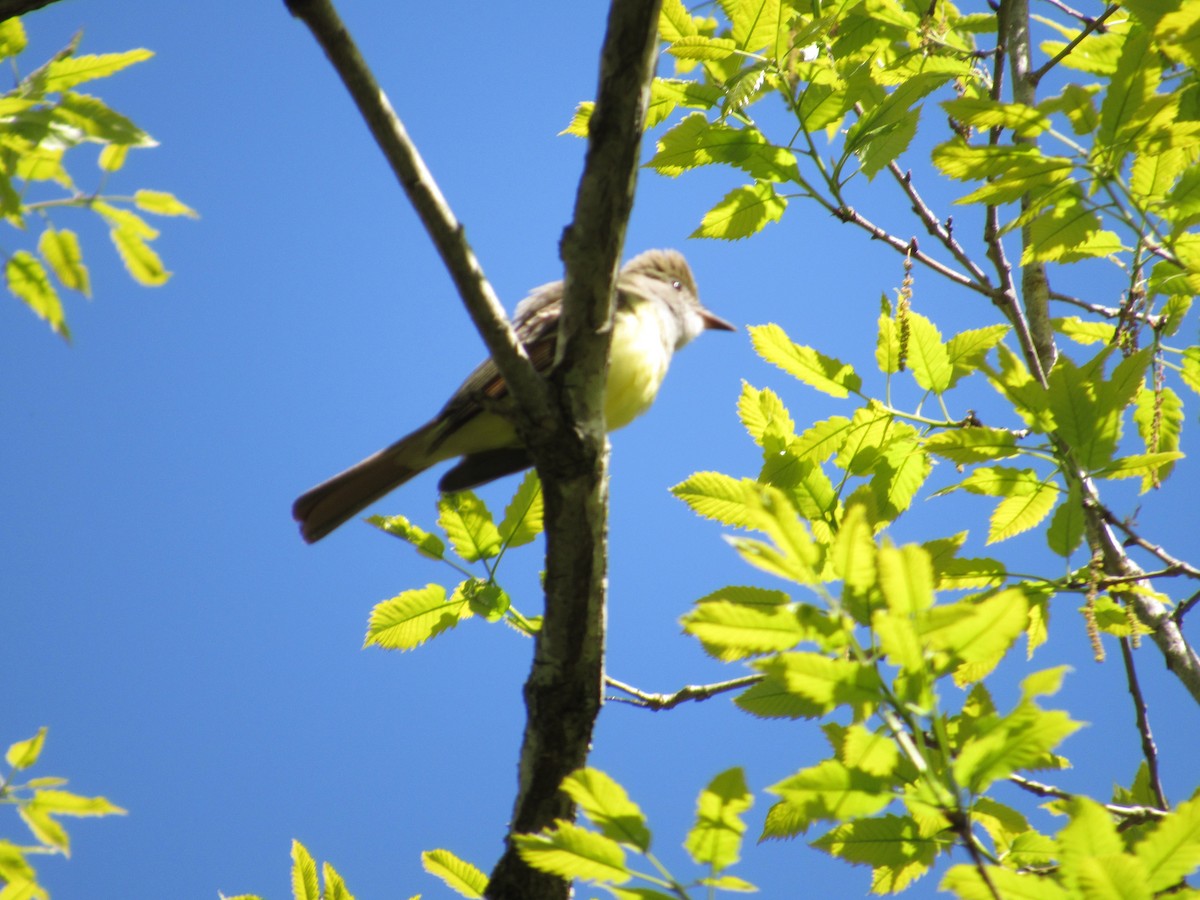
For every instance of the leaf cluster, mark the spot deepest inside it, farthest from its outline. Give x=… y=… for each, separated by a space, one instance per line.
x=44 y=117
x=39 y=802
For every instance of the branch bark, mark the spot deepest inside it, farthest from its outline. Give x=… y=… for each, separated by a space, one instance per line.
x=11 y=8
x=565 y=688
x=561 y=420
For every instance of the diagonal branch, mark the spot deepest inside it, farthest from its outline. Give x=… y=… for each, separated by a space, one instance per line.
x=689 y=692
x=444 y=229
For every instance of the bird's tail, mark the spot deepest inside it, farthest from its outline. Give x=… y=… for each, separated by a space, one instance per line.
x=329 y=504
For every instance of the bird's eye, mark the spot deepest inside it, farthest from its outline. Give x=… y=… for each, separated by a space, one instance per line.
x=677 y=285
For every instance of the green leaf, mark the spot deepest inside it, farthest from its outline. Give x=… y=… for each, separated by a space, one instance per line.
x=95 y=119
x=335 y=885
x=12 y=37
x=1019 y=513
x=522 y=520
x=568 y=851
x=1022 y=739
x=983 y=113
x=906 y=578
x=700 y=47
x=609 y=807
x=61 y=251
x=412 y=617
x=892 y=845
x=742 y=212
x=824 y=373
x=1159 y=419
x=468 y=523
x=823 y=683
x=967 y=349
x=765 y=418
x=1170 y=852
x=304 y=874
x=1133 y=83
x=854 y=554
x=24 y=754
x=833 y=791
x=427 y=544
x=927 y=355
x=28 y=281
x=1067 y=526
x=72 y=70
x=972 y=445
x=460 y=876
x=716 y=838
x=162 y=203
x=142 y=263
x=730 y=630
x=1084 y=331
x=759 y=24
x=967 y=883
x=977 y=631
x=1141 y=465
x=723 y=498
x=675 y=22
x=65 y=803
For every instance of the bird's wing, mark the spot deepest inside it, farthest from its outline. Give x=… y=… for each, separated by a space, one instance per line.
x=536 y=326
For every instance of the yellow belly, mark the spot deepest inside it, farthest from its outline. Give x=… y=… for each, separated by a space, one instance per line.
x=637 y=365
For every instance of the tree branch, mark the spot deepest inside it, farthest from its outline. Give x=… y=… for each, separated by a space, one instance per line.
x=564 y=691
x=10 y=8
x=1149 y=749
x=526 y=386
x=696 y=692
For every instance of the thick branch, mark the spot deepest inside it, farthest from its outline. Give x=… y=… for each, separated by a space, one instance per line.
x=564 y=692
x=10 y=8
x=444 y=229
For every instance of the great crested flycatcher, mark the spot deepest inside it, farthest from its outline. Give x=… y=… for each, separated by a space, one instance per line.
x=658 y=311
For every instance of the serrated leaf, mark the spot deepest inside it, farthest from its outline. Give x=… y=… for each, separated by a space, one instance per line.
x=984 y=113
x=1170 y=851
x=720 y=497
x=27 y=280
x=1159 y=419
x=729 y=630
x=905 y=578
x=427 y=544
x=1084 y=331
x=61 y=251
x=569 y=851
x=927 y=356
x=608 y=806
x=412 y=617
x=833 y=791
x=765 y=418
x=972 y=445
x=45 y=827
x=716 y=838
x=810 y=366
x=66 y=73
x=335 y=885
x=742 y=212
x=700 y=47
x=522 y=521
x=1066 y=529
x=1141 y=465
x=95 y=119
x=460 y=876
x=162 y=203
x=304 y=874
x=1022 y=739
x=675 y=21
x=469 y=526
x=977 y=631
x=23 y=754
x=1018 y=514
x=892 y=845
x=142 y=263
x=967 y=349
x=65 y=803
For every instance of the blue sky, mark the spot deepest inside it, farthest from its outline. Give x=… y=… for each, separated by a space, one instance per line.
x=195 y=661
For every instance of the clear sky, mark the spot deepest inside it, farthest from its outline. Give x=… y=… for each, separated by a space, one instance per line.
x=195 y=661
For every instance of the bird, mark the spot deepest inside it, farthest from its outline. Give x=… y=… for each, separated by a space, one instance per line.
x=658 y=311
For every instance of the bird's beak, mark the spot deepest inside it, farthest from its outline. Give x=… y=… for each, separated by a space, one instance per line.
x=715 y=322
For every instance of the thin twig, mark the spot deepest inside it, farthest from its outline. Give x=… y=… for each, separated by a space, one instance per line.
x=1149 y=750
x=1096 y=24
x=696 y=692
x=1108 y=312
x=935 y=226
x=1131 y=813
